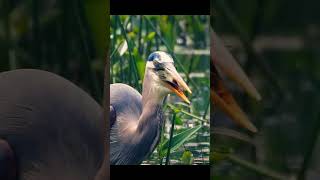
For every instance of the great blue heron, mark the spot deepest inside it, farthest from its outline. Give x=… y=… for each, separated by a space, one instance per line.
x=136 y=119
x=221 y=57
x=49 y=129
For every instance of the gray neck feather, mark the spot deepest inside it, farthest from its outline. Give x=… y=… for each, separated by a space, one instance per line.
x=151 y=120
x=139 y=142
x=152 y=100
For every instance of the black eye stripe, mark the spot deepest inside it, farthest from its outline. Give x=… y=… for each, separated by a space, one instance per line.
x=161 y=74
x=158 y=67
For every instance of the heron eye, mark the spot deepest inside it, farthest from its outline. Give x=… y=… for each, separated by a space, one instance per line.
x=159 y=67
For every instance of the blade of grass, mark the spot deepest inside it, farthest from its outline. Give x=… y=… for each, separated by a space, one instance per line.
x=79 y=15
x=310 y=150
x=257 y=168
x=187 y=113
x=179 y=139
x=233 y=134
x=130 y=49
x=8 y=40
x=140 y=34
x=36 y=46
x=170 y=138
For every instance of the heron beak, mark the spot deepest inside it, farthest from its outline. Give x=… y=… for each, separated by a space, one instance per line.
x=177 y=84
x=225 y=101
x=221 y=57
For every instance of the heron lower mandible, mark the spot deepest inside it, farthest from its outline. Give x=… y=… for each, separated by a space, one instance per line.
x=136 y=119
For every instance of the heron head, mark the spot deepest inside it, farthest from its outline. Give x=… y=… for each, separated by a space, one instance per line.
x=163 y=71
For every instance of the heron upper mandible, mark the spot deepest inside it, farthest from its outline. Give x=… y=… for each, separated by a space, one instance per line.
x=136 y=119
x=49 y=129
x=221 y=57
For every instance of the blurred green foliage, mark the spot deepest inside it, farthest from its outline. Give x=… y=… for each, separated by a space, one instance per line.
x=278 y=45
x=68 y=38
x=186 y=38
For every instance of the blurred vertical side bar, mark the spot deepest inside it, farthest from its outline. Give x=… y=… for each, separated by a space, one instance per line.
x=97 y=13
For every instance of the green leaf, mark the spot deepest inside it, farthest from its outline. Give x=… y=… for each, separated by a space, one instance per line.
x=150 y=36
x=173 y=108
x=187 y=158
x=141 y=64
x=182 y=104
x=218 y=156
x=179 y=139
x=220 y=153
x=178 y=121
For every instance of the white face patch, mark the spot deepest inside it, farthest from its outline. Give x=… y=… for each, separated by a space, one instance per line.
x=150 y=64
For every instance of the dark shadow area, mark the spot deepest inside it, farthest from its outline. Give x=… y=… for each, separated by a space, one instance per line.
x=277 y=43
x=52 y=128
x=64 y=37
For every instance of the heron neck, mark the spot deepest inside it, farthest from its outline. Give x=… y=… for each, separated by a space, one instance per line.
x=152 y=94
x=152 y=100
x=146 y=132
x=149 y=127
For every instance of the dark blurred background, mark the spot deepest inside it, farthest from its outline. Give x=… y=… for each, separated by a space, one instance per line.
x=278 y=45
x=67 y=37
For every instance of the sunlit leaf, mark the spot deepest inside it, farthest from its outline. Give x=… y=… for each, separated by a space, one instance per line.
x=151 y=36
x=123 y=48
x=131 y=35
x=187 y=158
x=173 y=108
x=178 y=121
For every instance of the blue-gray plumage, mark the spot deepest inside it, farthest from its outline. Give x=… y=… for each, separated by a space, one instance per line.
x=136 y=119
x=49 y=129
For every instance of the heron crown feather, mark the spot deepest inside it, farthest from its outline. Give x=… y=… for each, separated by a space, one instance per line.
x=160 y=56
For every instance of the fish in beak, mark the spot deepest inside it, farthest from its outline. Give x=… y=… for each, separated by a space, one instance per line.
x=175 y=83
x=220 y=57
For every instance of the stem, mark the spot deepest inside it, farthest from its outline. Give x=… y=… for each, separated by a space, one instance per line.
x=233 y=134
x=245 y=38
x=36 y=32
x=130 y=54
x=115 y=24
x=308 y=156
x=5 y=9
x=64 y=40
x=83 y=33
x=139 y=35
x=258 y=169
x=170 y=138
x=207 y=109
